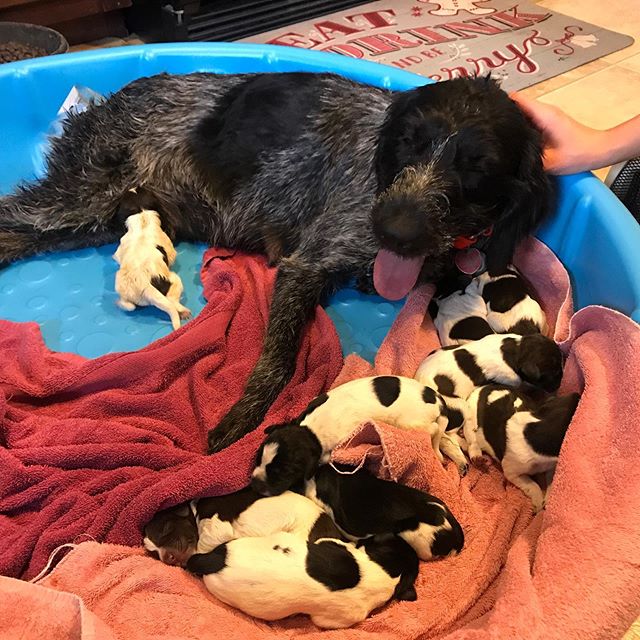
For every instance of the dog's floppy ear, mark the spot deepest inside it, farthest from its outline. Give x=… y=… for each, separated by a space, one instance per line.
x=529 y=197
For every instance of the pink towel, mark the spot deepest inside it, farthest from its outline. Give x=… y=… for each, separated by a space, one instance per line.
x=95 y=447
x=572 y=572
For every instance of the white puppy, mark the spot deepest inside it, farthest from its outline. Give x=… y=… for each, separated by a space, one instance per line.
x=523 y=435
x=337 y=584
x=461 y=317
x=145 y=255
x=510 y=308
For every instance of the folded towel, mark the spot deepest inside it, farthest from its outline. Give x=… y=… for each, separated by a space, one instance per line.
x=95 y=447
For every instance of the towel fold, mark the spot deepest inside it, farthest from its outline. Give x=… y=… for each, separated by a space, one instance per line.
x=93 y=448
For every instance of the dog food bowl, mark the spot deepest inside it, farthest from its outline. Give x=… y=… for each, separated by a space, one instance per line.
x=71 y=294
x=19 y=41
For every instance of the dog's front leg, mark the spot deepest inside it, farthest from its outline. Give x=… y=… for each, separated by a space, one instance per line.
x=298 y=288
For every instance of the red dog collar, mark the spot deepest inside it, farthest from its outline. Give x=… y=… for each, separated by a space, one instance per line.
x=464 y=242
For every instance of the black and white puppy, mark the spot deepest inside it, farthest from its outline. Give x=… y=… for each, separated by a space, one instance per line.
x=336 y=583
x=510 y=308
x=523 y=435
x=177 y=533
x=362 y=506
x=249 y=514
x=172 y=535
x=461 y=316
x=506 y=359
x=292 y=452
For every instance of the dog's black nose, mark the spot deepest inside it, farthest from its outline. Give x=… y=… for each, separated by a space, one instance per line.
x=398 y=228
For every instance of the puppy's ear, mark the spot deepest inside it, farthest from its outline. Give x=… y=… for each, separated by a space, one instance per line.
x=529 y=371
x=529 y=197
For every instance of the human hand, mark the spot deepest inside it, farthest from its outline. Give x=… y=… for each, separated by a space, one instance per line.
x=569 y=147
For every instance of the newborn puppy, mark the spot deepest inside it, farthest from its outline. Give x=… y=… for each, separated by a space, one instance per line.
x=460 y=317
x=145 y=255
x=172 y=534
x=246 y=513
x=510 y=308
x=524 y=436
x=177 y=533
x=292 y=452
x=506 y=359
x=363 y=506
x=334 y=582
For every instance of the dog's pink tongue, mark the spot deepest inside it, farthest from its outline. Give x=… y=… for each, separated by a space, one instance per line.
x=394 y=276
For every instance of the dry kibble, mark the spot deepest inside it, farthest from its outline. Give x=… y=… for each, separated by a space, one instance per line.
x=11 y=51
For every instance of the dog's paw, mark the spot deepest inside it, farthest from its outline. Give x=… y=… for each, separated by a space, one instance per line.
x=185 y=314
x=463 y=469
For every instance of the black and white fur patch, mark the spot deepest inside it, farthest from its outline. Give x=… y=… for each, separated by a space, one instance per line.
x=523 y=435
x=461 y=317
x=363 y=506
x=292 y=452
x=510 y=307
x=336 y=583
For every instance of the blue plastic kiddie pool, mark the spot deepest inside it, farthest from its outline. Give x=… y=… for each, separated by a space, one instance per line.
x=71 y=294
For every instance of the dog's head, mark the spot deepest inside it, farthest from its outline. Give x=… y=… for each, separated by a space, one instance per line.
x=289 y=455
x=540 y=362
x=172 y=534
x=454 y=159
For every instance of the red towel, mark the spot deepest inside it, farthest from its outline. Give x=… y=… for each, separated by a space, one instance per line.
x=93 y=448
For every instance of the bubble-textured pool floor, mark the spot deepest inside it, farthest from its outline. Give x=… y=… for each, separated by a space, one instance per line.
x=71 y=296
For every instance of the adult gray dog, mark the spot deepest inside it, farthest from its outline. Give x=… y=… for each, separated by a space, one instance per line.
x=331 y=178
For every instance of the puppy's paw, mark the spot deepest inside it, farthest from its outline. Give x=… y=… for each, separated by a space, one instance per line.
x=185 y=314
x=463 y=469
x=538 y=505
x=480 y=462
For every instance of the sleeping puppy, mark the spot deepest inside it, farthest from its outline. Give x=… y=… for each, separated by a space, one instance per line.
x=461 y=316
x=334 y=582
x=523 y=435
x=145 y=255
x=362 y=506
x=172 y=534
x=510 y=308
x=506 y=359
x=291 y=452
x=177 y=533
x=249 y=514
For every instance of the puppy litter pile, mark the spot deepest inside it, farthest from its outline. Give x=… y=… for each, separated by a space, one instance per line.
x=503 y=573
x=337 y=543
